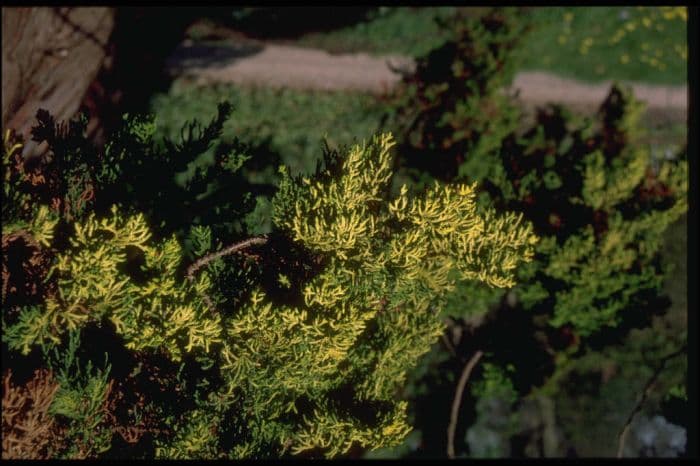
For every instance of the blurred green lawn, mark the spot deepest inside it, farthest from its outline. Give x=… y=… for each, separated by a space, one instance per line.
x=646 y=44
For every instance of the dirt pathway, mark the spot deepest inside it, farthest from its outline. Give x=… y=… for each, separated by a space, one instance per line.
x=302 y=68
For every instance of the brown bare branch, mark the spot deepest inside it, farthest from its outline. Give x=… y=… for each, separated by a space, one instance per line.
x=255 y=241
x=448 y=345
x=452 y=427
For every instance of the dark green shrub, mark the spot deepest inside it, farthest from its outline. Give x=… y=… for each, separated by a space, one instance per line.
x=453 y=107
x=601 y=205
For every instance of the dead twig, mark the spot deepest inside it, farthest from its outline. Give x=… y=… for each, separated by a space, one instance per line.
x=255 y=241
x=237 y=247
x=645 y=393
x=458 y=401
x=448 y=345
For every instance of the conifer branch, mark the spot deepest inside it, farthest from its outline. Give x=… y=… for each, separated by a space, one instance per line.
x=645 y=393
x=255 y=241
x=201 y=262
x=21 y=233
x=452 y=427
x=387 y=267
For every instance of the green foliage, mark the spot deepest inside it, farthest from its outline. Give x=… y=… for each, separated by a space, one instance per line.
x=80 y=401
x=93 y=265
x=495 y=383
x=367 y=316
x=303 y=342
x=471 y=300
x=678 y=391
x=597 y=197
x=602 y=229
x=453 y=108
x=275 y=126
x=186 y=191
x=30 y=327
x=98 y=256
x=298 y=349
x=631 y=43
x=68 y=168
x=19 y=209
x=195 y=438
x=15 y=201
x=74 y=178
x=597 y=271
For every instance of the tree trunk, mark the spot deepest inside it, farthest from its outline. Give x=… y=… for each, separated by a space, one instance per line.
x=50 y=56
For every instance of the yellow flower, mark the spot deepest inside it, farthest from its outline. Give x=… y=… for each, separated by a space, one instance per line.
x=624 y=59
x=670 y=13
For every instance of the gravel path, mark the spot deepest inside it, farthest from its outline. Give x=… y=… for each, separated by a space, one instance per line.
x=302 y=68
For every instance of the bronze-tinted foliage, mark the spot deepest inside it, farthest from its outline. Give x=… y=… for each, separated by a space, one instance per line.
x=24 y=261
x=28 y=430
x=62 y=177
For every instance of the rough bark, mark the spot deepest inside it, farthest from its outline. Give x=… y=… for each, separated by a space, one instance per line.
x=50 y=56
